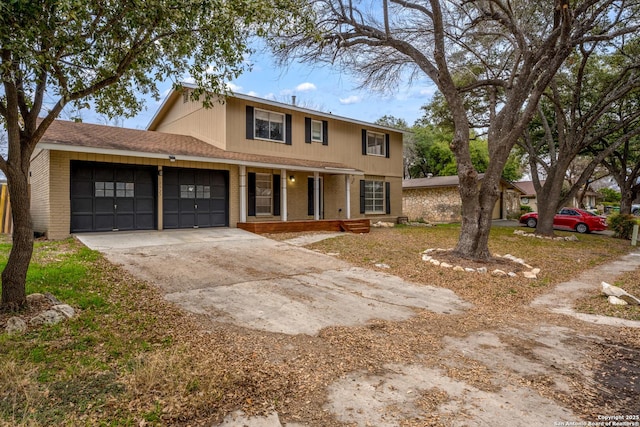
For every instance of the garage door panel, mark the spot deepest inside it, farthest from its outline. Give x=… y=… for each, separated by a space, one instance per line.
x=82 y=206
x=109 y=196
x=125 y=222
x=189 y=196
x=104 y=222
x=145 y=206
x=104 y=205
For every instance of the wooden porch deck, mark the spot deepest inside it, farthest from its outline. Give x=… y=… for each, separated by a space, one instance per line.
x=351 y=225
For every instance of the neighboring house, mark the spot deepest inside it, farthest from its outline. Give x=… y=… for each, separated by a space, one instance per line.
x=244 y=161
x=529 y=198
x=437 y=199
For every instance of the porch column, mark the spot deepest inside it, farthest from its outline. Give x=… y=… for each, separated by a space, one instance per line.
x=243 y=193
x=283 y=195
x=347 y=186
x=316 y=196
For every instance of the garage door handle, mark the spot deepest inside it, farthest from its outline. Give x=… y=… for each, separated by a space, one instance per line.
x=196 y=206
x=115 y=206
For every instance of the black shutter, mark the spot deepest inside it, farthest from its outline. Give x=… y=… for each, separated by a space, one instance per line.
x=387 y=196
x=364 y=142
x=307 y=130
x=310 y=197
x=287 y=121
x=325 y=132
x=362 y=198
x=249 y=122
x=386 y=145
x=251 y=191
x=276 y=195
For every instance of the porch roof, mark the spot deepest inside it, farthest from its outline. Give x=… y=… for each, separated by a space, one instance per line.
x=100 y=139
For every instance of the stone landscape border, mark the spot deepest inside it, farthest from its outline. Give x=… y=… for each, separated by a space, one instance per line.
x=531 y=273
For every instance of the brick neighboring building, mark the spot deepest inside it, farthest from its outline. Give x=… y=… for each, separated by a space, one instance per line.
x=437 y=199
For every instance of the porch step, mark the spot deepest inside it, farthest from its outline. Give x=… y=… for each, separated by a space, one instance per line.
x=356 y=226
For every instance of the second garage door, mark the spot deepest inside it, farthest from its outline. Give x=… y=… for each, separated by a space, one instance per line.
x=194 y=198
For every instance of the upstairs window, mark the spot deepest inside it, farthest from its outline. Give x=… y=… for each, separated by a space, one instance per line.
x=269 y=125
x=375 y=144
x=316 y=131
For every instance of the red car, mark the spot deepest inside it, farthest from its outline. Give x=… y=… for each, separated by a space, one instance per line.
x=570 y=219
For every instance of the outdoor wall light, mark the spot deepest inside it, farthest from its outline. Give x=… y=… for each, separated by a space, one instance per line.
x=172 y=158
x=292 y=178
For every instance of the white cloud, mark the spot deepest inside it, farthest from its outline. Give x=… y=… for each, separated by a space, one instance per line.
x=305 y=87
x=253 y=93
x=353 y=99
x=429 y=91
x=233 y=87
x=271 y=96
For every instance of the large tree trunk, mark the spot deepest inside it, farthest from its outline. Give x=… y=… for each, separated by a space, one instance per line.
x=547 y=198
x=627 y=198
x=14 y=276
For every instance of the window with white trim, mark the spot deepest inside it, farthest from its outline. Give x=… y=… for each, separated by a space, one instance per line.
x=269 y=125
x=376 y=144
x=374 y=197
x=264 y=193
x=316 y=131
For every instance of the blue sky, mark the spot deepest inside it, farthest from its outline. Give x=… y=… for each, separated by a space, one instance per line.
x=315 y=87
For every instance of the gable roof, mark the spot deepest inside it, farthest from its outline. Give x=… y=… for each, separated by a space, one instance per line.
x=527 y=187
x=445 y=181
x=91 y=138
x=174 y=95
x=433 y=182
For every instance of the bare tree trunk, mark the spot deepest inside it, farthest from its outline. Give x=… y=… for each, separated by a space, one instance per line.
x=14 y=275
x=626 y=200
x=547 y=197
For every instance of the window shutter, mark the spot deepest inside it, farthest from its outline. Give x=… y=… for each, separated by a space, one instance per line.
x=364 y=142
x=310 y=197
x=251 y=192
x=386 y=145
x=249 y=122
x=325 y=132
x=287 y=121
x=307 y=130
x=387 y=197
x=362 y=198
x=276 y=195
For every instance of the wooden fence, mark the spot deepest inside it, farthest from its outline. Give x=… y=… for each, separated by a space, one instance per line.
x=6 y=223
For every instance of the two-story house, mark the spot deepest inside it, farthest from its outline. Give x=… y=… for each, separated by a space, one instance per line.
x=242 y=162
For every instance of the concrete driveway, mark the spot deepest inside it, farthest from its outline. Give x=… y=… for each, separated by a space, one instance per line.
x=234 y=276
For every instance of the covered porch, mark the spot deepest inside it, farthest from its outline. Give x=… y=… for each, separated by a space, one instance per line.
x=298 y=198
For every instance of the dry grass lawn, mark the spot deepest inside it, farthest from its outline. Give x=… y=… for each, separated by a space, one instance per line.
x=131 y=358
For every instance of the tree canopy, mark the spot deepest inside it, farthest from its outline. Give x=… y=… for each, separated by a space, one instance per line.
x=55 y=53
x=490 y=57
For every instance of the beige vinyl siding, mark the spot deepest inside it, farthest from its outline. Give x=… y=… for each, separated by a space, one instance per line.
x=39 y=176
x=345 y=141
x=192 y=119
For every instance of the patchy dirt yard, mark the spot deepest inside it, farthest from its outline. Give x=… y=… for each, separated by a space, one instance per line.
x=501 y=362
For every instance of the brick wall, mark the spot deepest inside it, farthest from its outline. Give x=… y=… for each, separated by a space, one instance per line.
x=39 y=188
